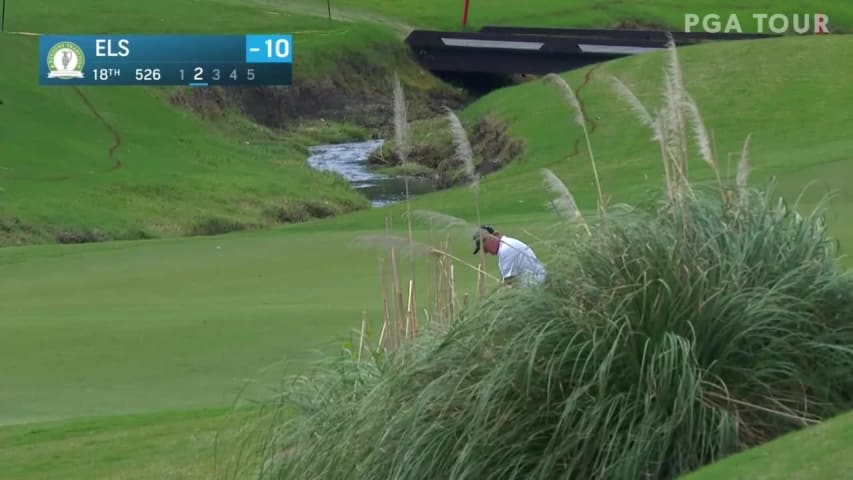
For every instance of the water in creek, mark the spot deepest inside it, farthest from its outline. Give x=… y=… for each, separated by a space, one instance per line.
x=350 y=161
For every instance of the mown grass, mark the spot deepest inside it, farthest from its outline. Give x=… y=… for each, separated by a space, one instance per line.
x=166 y=445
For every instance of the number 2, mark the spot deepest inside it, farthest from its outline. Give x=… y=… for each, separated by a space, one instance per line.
x=198 y=73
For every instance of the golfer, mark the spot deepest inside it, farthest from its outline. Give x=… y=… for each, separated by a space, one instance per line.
x=516 y=260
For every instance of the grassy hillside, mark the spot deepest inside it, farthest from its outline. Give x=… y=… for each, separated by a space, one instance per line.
x=447 y=14
x=817 y=453
x=123 y=163
x=740 y=87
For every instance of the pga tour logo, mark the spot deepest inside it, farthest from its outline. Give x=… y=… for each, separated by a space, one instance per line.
x=777 y=23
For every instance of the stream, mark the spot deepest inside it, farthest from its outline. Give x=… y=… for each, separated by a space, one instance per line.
x=350 y=161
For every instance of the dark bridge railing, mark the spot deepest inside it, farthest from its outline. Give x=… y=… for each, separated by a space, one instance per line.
x=536 y=50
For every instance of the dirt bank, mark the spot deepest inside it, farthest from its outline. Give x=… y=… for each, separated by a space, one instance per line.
x=432 y=148
x=357 y=91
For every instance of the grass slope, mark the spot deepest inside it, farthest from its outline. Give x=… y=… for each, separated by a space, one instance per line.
x=740 y=87
x=63 y=169
x=447 y=14
x=816 y=453
x=170 y=172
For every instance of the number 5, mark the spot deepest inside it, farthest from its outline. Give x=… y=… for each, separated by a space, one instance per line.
x=250 y=74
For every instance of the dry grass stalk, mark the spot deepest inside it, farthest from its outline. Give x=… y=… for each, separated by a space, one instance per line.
x=448 y=283
x=703 y=139
x=401 y=130
x=743 y=171
x=398 y=298
x=572 y=100
x=381 y=345
x=640 y=110
x=402 y=146
x=670 y=127
x=386 y=319
x=411 y=327
x=656 y=124
x=465 y=155
x=463 y=151
x=362 y=335
x=673 y=114
x=452 y=295
x=565 y=201
x=480 y=280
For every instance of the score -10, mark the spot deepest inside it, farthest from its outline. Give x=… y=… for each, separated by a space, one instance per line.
x=197 y=74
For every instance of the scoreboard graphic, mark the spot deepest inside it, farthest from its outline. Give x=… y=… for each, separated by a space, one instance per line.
x=195 y=60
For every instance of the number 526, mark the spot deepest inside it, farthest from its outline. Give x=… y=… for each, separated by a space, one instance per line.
x=148 y=74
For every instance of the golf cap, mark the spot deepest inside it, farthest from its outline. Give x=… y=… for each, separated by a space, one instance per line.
x=481 y=232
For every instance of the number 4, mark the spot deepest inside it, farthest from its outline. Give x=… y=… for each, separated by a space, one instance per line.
x=233 y=74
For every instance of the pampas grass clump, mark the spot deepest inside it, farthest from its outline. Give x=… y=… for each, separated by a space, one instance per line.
x=666 y=336
x=660 y=343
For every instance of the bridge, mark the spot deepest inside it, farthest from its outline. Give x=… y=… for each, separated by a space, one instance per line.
x=538 y=51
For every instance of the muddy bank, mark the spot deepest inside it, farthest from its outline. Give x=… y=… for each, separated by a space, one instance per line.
x=357 y=91
x=432 y=148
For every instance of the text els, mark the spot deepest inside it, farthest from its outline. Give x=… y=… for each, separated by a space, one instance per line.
x=104 y=48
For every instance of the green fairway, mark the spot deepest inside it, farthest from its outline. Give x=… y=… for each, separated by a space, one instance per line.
x=99 y=330
x=187 y=325
x=169 y=445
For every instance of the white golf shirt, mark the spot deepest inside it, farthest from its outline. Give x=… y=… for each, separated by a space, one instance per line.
x=515 y=258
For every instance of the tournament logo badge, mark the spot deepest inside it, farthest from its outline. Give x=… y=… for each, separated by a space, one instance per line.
x=65 y=60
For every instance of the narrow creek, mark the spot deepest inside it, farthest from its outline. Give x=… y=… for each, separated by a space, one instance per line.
x=350 y=161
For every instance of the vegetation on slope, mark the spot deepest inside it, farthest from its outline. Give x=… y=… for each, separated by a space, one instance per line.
x=666 y=336
x=744 y=87
x=131 y=163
